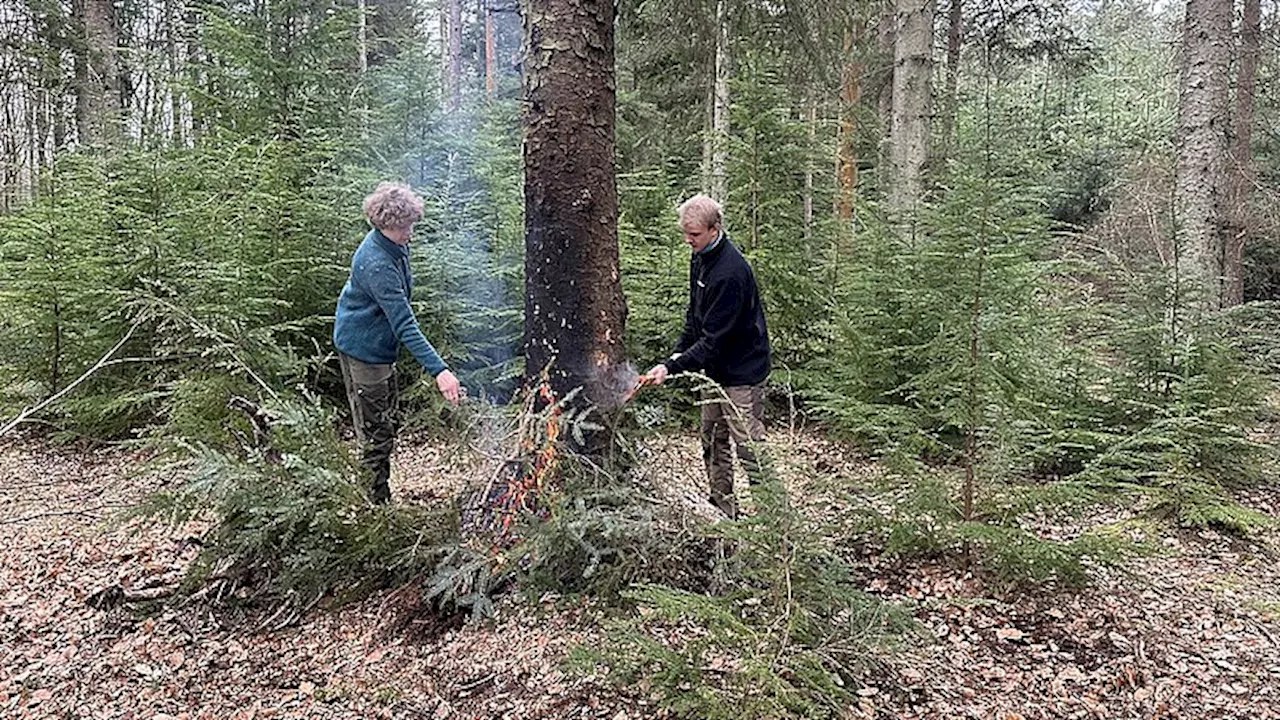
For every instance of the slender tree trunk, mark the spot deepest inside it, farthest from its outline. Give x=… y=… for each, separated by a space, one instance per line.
x=362 y=60
x=847 y=140
x=10 y=159
x=455 y=54
x=387 y=20
x=55 y=358
x=811 y=125
x=44 y=100
x=886 y=32
x=909 y=132
x=80 y=74
x=173 y=67
x=490 y=53
x=708 y=123
x=97 y=72
x=27 y=169
x=574 y=308
x=20 y=94
x=444 y=50
x=973 y=381
x=1241 y=169
x=362 y=35
x=719 y=188
x=1200 y=188
x=955 y=41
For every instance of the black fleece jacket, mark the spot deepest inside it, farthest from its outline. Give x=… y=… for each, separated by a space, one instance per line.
x=724 y=329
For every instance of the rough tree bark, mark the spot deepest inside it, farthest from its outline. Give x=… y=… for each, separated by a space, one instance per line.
x=574 y=308
x=1242 y=171
x=97 y=67
x=909 y=131
x=1201 y=176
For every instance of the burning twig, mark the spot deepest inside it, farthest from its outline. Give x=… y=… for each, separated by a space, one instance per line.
x=520 y=480
x=523 y=490
x=641 y=382
x=519 y=483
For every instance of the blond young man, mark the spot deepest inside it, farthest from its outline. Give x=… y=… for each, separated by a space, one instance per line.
x=726 y=338
x=374 y=318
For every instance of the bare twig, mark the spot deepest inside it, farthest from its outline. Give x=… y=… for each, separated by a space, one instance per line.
x=102 y=362
x=59 y=513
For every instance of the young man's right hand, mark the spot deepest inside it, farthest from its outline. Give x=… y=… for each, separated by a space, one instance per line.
x=450 y=387
x=657 y=375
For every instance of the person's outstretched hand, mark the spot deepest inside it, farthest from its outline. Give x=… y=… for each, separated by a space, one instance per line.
x=450 y=387
x=656 y=376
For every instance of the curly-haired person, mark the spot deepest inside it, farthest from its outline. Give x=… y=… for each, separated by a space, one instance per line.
x=373 y=319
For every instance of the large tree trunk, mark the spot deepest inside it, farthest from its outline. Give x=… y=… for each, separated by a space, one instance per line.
x=1203 y=122
x=1241 y=171
x=574 y=308
x=98 y=112
x=909 y=132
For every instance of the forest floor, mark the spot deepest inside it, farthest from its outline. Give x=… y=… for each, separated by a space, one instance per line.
x=1190 y=632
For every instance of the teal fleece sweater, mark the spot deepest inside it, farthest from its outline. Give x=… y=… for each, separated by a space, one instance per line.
x=374 y=316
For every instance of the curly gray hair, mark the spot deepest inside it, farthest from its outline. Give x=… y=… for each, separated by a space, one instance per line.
x=393 y=205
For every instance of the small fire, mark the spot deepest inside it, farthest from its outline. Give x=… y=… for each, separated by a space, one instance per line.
x=528 y=477
x=523 y=490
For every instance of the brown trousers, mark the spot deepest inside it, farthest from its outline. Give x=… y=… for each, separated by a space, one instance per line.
x=374 y=397
x=739 y=418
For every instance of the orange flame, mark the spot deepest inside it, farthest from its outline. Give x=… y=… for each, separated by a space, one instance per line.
x=523 y=490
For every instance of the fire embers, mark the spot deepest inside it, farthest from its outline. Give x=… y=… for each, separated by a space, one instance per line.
x=548 y=426
x=520 y=484
x=526 y=487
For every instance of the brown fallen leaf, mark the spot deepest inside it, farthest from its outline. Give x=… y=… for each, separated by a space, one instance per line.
x=175 y=659
x=1010 y=634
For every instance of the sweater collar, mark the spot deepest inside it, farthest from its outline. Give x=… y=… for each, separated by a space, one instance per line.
x=392 y=248
x=711 y=251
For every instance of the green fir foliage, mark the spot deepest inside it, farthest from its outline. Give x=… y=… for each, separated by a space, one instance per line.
x=788 y=633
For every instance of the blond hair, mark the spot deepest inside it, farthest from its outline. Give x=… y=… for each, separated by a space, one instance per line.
x=393 y=205
x=702 y=209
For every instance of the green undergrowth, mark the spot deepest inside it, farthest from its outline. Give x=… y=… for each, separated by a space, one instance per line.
x=782 y=630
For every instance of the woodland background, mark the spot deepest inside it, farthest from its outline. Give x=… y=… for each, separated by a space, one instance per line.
x=1021 y=254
